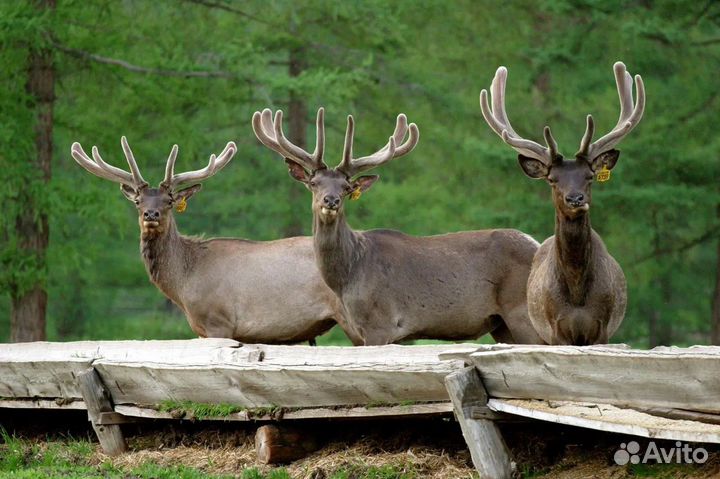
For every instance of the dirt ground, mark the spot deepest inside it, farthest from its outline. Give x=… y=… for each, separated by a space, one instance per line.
x=429 y=448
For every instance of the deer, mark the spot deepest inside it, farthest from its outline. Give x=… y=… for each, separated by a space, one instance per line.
x=250 y=291
x=397 y=287
x=577 y=292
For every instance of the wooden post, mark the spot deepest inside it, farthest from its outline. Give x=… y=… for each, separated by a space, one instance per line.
x=487 y=448
x=97 y=400
x=275 y=445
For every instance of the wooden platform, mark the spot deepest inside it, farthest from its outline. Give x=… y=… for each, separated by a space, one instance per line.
x=668 y=393
x=306 y=381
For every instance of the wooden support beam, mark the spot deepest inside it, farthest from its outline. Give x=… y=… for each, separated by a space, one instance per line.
x=487 y=447
x=282 y=445
x=98 y=402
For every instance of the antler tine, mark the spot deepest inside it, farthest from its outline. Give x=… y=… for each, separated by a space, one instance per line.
x=215 y=164
x=498 y=121
x=352 y=166
x=587 y=137
x=270 y=134
x=170 y=166
x=131 y=162
x=630 y=115
x=79 y=155
x=346 y=163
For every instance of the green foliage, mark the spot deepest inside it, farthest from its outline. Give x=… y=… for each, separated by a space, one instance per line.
x=374 y=59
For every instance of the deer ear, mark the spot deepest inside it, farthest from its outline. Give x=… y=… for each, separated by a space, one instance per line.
x=607 y=158
x=129 y=192
x=365 y=182
x=187 y=192
x=297 y=171
x=535 y=169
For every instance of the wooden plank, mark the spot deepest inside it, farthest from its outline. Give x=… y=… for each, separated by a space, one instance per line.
x=682 y=378
x=681 y=414
x=487 y=448
x=293 y=376
x=415 y=410
x=42 y=404
x=50 y=370
x=97 y=401
x=606 y=417
x=465 y=350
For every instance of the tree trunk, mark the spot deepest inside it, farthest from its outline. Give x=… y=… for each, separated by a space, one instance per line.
x=29 y=303
x=298 y=131
x=715 y=330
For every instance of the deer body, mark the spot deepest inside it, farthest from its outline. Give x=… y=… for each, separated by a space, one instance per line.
x=576 y=290
x=394 y=286
x=453 y=286
x=266 y=292
x=234 y=288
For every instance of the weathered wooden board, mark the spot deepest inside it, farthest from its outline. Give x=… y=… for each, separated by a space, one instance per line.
x=489 y=453
x=683 y=378
x=463 y=351
x=605 y=417
x=41 y=404
x=289 y=376
x=430 y=409
x=49 y=370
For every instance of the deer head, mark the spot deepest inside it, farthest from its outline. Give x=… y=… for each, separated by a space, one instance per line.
x=154 y=205
x=330 y=187
x=571 y=180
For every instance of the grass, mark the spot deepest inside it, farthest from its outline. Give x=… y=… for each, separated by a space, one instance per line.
x=76 y=458
x=73 y=458
x=197 y=410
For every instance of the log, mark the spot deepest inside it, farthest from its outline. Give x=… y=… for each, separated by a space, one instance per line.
x=678 y=378
x=487 y=447
x=281 y=445
x=287 y=376
x=97 y=401
x=48 y=370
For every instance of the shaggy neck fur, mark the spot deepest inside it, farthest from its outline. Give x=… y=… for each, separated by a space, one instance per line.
x=167 y=255
x=337 y=250
x=573 y=243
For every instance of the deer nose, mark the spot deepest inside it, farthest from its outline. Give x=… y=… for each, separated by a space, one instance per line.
x=331 y=201
x=151 y=215
x=575 y=199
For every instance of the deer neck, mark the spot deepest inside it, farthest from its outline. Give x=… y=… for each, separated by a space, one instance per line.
x=573 y=241
x=166 y=256
x=337 y=249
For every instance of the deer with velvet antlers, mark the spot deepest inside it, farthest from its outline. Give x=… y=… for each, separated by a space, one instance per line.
x=576 y=290
x=394 y=286
x=267 y=292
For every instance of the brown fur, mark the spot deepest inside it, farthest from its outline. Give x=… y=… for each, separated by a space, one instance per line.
x=397 y=287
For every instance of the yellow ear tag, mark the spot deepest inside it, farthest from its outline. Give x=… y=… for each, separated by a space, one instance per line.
x=604 y=174
x=180 y=207
x=356 y=194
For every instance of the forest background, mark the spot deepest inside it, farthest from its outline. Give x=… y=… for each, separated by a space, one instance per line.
x=192 y=72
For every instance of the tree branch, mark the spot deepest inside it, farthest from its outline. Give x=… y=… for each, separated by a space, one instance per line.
x=228 y=8
x=85 y=55
x=708 y=235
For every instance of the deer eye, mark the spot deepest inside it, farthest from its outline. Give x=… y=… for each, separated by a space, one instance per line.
x=137 y=202
x=312 y=183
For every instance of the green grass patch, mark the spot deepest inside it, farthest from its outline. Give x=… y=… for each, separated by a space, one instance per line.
x=197 y=410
